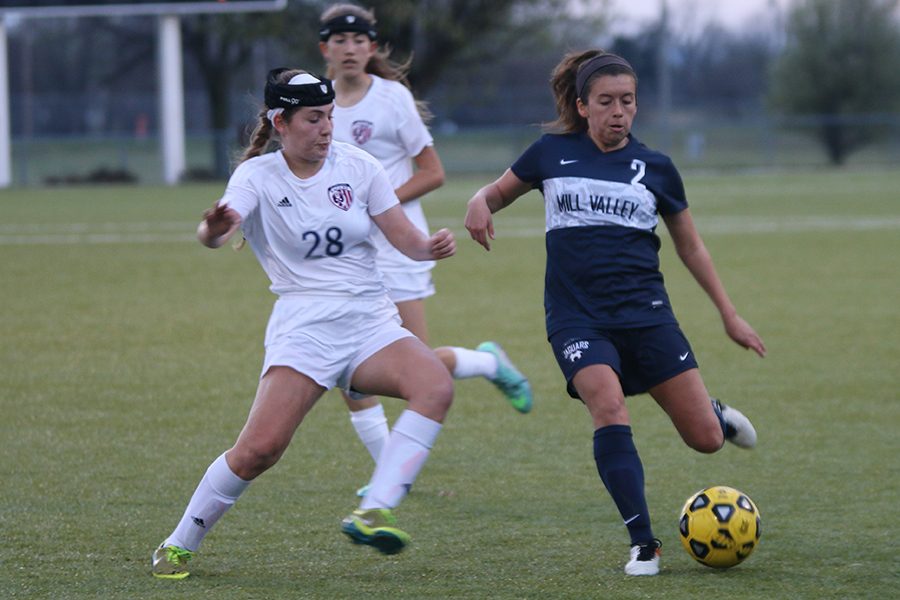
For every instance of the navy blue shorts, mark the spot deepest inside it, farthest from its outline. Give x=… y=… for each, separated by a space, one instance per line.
x=642 y=357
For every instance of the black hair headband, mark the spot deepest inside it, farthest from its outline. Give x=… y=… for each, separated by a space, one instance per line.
x=345 y=23
x=601 y=61
x=285 y=95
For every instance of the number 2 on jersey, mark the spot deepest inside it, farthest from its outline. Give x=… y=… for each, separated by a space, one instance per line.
x=641 y=168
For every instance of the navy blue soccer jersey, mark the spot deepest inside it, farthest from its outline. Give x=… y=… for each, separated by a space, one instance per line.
x=602 y=210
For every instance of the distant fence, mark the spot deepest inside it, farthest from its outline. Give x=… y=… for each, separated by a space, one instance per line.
x=693 y=144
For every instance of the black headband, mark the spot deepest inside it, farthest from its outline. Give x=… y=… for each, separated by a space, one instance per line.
x=286 y=95
x=346 y=23
x=601 y=61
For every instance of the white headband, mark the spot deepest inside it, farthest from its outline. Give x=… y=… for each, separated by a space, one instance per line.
x=303 y=79
x=272 y=113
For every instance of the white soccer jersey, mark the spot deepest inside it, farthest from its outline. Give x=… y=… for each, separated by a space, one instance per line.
x=313 y=236
x=387 y=125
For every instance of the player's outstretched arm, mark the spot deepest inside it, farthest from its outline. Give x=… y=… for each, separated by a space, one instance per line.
x=488 y=200
x=218 y=224
x=407 y=238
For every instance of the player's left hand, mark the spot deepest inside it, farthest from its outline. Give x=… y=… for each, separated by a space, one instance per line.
x=744 y=335
x=443 y=244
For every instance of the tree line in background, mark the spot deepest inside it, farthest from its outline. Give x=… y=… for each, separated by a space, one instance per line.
x=488 y=62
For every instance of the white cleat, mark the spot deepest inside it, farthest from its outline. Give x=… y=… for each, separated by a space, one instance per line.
x=738 y=428
x=644 y=559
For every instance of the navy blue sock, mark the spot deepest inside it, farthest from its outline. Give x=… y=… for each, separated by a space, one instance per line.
x=622 y=473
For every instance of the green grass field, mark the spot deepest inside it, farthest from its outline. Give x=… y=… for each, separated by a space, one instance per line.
x=130 y=355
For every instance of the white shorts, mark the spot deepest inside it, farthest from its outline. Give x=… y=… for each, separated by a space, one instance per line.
x=405 y=286
x=326 y=339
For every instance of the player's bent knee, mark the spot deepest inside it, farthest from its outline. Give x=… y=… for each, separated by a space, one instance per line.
x=441 y=393
x=707 y=442
x=248 y=461
x=606 y=410
x=433 y=396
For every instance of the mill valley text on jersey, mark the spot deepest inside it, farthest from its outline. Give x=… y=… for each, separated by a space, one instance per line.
x=605 y=204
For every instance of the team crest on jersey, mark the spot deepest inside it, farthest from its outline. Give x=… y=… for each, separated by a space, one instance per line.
x=341 y=195
x=361 y=131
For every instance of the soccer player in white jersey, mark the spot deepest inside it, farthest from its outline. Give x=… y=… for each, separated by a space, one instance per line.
x=306 y=211
x=609 y=320
x=376 y=111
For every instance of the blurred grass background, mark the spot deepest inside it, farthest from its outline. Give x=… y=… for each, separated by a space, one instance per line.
x=699 y=145
x=130 y=355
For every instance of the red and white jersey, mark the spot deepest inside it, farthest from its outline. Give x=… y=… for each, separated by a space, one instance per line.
x=387 y=125
x=313 y=236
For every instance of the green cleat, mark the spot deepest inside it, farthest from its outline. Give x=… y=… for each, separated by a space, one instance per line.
x=375 y=527
x=509 y=379
x=170 y=562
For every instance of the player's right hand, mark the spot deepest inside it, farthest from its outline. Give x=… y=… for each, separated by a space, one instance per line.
x=219 y=223
x=479 y=221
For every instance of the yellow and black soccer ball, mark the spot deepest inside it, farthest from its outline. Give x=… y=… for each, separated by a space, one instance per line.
x=719 y=526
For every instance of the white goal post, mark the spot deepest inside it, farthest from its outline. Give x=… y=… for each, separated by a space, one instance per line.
x=169 y=60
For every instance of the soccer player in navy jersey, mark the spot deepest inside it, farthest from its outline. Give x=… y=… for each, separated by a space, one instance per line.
x=609 y=320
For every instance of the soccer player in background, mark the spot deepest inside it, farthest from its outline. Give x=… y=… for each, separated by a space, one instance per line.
x=376 y=111
x=306 y=211
x=609 y=320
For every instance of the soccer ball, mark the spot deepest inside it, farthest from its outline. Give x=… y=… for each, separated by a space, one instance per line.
x=719 y=526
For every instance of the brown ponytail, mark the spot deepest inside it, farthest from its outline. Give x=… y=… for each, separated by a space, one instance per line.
x=264 y=137
x=562 y=83
x=260 y=139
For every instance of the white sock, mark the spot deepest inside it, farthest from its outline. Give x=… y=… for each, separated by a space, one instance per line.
x=371 y=427
x=404 y=455
x=473 y=363
x=215 y=494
